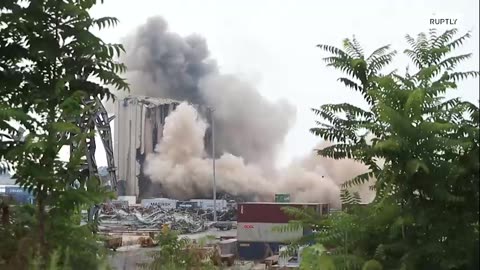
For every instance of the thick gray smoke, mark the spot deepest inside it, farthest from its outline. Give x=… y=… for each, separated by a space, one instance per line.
x=249 y=129
x=166 y=65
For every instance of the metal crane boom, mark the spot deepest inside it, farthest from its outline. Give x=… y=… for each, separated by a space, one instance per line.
x=102 y=123
x=98 y=118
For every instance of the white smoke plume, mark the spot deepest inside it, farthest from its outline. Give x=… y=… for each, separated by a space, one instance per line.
x=249 y=129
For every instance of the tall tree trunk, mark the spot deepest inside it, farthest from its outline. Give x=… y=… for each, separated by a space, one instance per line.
x=42 y=240
x=5 y=213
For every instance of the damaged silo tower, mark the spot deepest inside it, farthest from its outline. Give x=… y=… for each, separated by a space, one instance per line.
x=138 y=129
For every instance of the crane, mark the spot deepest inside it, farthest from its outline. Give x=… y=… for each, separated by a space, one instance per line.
x=97 y=117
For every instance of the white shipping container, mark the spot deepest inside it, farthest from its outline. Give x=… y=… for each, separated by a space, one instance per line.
x=120 y=203
x=208 y=204
x=265 y=232
x=130 y=199
x=160 y=202
x=158 y=199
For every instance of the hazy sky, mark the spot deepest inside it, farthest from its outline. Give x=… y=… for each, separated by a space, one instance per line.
x=272 y=43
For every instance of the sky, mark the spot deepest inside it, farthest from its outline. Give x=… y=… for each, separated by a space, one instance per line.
x=272 y=43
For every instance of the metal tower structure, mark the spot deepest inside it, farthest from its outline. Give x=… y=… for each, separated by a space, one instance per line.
x=102 y=123
x=97 y=118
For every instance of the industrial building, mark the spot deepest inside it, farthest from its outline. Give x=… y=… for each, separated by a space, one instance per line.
x=138 y=129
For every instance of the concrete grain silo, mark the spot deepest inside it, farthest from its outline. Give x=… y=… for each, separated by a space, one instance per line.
x=138 y=129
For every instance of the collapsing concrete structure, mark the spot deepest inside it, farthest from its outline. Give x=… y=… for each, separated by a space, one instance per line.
x=138 y=129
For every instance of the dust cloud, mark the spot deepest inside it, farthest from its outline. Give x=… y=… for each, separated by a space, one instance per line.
x=181 y=165
x=249 y=129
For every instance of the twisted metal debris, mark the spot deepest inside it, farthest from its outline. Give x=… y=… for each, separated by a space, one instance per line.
x=138 y=218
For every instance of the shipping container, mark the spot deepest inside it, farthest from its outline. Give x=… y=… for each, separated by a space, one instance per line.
x=17 y=194
x=120 y=204
x=256 y=251
x=266 y=232
x=282 y=198
x=272 y=212
x=19 y=198
x=130 y=199
x=161 y=199
x=187 y=205
x=166 y=204
x=207 y=204
x=14 y=189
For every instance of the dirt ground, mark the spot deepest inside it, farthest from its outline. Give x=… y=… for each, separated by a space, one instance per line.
x=128 y=256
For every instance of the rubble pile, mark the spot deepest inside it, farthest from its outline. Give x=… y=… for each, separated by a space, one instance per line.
x=138 y=218
x=227 y=215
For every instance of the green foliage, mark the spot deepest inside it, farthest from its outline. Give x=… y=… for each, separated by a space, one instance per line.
x=372 y=265
x=349 y=198
x=15 y=234
x=49 y=62
x=426 y=208
x=314 y=257
x=178 y=253
x=55 y=264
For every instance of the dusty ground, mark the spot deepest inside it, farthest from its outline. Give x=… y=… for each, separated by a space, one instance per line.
x=127 y=257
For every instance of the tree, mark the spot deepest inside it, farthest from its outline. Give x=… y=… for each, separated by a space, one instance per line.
x=314 y=257
x=350 y=237
x=52 y=72
x=426 y=207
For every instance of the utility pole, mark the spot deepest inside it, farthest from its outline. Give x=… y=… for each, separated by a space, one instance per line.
x=213 y=163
